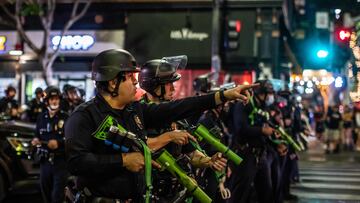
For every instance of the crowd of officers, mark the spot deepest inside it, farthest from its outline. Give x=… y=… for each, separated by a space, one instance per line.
x=242 y=117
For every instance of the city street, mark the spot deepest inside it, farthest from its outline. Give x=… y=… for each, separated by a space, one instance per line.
x=157 y=101
x=328 y=178
x=324 y=178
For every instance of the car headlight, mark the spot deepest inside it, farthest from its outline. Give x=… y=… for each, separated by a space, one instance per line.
x=20 y=145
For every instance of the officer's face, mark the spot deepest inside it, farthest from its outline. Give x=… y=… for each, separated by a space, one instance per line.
x=54 y=102
x=11 y=94
x=127 y=88
x=39 y=95
x=73 y=96
x=169 y=91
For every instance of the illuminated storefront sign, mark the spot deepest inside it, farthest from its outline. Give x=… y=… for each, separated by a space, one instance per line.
x=2 y=42
x=73 y=42
x=187 y=34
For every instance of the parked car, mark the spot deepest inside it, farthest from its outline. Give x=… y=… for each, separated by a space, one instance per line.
x=19 y=174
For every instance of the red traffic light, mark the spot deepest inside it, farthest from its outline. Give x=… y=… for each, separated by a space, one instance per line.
x=344 y=35
x=235 y=25
x=238 y=26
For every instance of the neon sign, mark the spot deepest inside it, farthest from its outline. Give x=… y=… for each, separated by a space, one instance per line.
x=73 y=42
x=2 y=43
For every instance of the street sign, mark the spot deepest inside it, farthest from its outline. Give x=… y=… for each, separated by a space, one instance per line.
x=322 y=20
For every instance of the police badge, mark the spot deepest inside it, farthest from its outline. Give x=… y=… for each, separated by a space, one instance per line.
x=60 y=124
x=138 y=122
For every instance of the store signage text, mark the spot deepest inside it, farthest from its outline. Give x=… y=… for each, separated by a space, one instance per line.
x=73 y=42
x=187 y=34
x=2 y=42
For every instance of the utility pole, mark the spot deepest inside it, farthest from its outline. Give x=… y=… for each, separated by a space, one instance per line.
x=215 y=47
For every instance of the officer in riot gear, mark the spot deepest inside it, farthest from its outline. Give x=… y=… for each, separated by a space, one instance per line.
x=8 y=105
x=202 y=84
x=214 y=183
x=49 y=141
x=156 y=78
x=36 y=106
x=214 y=120
x=157 y=74
x=251 y=137
x=105 y=171
x=71 y=98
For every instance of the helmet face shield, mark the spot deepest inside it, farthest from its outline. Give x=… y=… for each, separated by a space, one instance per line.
x=179 y=62
x=161 y=71
x=168 y=66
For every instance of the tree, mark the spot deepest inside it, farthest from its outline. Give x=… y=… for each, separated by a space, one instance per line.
x=45 y=10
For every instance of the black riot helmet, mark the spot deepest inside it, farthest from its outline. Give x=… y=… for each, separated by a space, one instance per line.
x=52 y=91
x=158 y=72
x=265 y=87
x=108 y=64
x=67 y=87
x=202 y=83
x=111 y=64
x=39 y=90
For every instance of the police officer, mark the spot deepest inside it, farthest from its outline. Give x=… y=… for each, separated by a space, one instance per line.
x=156 y=78
x=50 y=136
x=71 y=98
x=288 y=161
x=36 y=106
x=101 y=169
x=8 y=105
x=251 y=135
x=202 y=84
x=214 y=120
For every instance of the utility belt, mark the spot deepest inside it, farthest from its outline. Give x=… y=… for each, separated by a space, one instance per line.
x=246 y=148
x=42 y=155
x=166 y=185
x=84 y=196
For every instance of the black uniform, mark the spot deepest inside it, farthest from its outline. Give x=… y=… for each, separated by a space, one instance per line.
x=53 y=172
x=208 y=178
x=99 y=167
x=251 y=144
x=36 y=107
x=165 y=185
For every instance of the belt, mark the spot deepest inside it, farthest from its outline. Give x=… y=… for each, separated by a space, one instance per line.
x=246 y=147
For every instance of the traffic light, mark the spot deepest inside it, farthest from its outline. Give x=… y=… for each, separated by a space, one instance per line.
x=233 y=28
x=342 y=35
x=322 y=53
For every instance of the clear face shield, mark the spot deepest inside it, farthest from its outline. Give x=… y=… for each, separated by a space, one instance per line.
x=179 y=62
x=74 y=95
x=176 y=62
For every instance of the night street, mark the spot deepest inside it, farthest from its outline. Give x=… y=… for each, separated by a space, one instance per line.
x=180 y=101
x=328 y=178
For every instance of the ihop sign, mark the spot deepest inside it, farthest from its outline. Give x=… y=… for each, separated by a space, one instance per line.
x=72 y=42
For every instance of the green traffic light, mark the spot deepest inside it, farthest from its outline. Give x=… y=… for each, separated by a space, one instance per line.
x=322 y=53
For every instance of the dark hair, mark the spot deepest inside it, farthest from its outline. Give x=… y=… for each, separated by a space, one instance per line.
x=103 y=85
x=9 y=89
